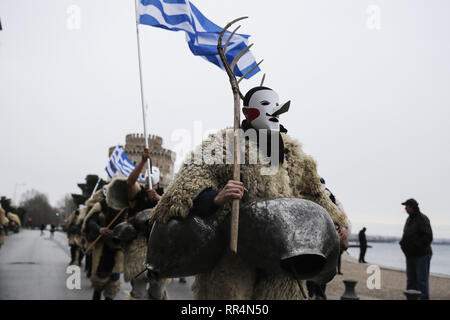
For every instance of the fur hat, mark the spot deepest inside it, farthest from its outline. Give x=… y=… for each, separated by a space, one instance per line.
x=117 y=194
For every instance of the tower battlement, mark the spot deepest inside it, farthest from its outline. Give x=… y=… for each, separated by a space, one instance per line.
x=162 y=158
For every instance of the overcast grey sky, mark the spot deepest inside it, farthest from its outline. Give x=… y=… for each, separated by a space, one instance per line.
x=369 y=83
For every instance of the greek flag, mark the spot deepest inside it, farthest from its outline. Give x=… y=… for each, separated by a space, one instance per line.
x=120 y=165
x=201 y=34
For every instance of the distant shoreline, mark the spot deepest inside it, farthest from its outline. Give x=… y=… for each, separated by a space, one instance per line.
x=395 y=242
x=435 y=242
x=350 y=258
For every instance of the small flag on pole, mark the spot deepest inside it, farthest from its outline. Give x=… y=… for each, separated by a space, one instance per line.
x=120 y=165
x=201 y=33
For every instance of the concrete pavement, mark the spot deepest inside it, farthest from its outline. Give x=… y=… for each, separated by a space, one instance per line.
x=33 y=267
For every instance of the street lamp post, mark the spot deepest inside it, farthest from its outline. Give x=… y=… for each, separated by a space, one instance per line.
x=15 y=190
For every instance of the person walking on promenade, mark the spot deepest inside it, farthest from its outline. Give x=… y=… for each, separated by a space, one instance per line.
x=52 y=231
x=362 y=245
x=416 y=245
x=42 y=229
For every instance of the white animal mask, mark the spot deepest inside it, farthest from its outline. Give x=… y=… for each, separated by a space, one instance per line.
x=105 y=190
x=155 y=175
x=262 y=108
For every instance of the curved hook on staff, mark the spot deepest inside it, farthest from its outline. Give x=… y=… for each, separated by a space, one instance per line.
x=229 y=68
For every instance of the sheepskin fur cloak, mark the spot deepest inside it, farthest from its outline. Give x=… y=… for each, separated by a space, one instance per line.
x=70 y=222
x=136 y=251
x=3 y=223
x=3 y=219
x=296 y=177
x=14 y=217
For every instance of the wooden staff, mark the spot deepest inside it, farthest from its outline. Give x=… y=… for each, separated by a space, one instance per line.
x=237 y=95
x=236 y=176
x=100 y=235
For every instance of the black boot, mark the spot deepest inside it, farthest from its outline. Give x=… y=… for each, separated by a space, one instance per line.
x=88 y=265
x=97 y=295
x=72 y=254
x=80 y=256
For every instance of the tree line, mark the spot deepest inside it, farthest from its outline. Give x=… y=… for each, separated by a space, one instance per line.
x=34 y=208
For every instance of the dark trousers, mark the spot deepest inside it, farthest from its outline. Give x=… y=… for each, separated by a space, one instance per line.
x=362 y=253
x=88 y=264
x=418 y=273
x=339 y=261
x=73 y=253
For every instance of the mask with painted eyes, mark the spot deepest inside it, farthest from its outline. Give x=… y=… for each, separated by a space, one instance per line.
x=155 y=175
x=262 y=108
x=105 y=190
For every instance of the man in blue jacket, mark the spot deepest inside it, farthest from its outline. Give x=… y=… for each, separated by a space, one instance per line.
x=416 y=245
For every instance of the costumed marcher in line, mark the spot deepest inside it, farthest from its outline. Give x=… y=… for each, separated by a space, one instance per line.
x=345 y=231
x=317 y=290
x=14 y=222
x=207 y=189
x=80 y=239
x=140 y=198
x=73 y=230
x=343 y=236
x=107 y=256
x=3 y=225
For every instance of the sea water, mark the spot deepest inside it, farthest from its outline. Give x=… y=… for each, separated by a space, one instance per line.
x=389 y=254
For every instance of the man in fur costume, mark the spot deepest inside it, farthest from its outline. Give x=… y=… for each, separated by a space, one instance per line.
x=317 y=290
x=14 y=222
x=80 y=238
x=3 y=225
x=345 y=230
x=204 y=187
x=107 y=256
x=73 y=231
x=138 y=198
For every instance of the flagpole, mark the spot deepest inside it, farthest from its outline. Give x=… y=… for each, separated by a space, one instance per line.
x=142 y=91
x=95 y=188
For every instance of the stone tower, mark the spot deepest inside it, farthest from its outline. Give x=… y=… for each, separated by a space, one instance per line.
x=162 y=158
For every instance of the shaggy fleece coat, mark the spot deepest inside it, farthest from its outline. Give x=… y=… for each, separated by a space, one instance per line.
x=4 y=222
x=135 y=252
x=14 y=217
x=69 y=222
x=296 y=177
x=3 y=219
x=134 y=258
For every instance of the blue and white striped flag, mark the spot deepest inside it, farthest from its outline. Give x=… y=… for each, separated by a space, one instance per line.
x=201 y=34
x=120 y=165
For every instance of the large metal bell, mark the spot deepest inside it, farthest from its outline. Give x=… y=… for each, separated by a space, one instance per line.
x=289 y=235
x=184 y=247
